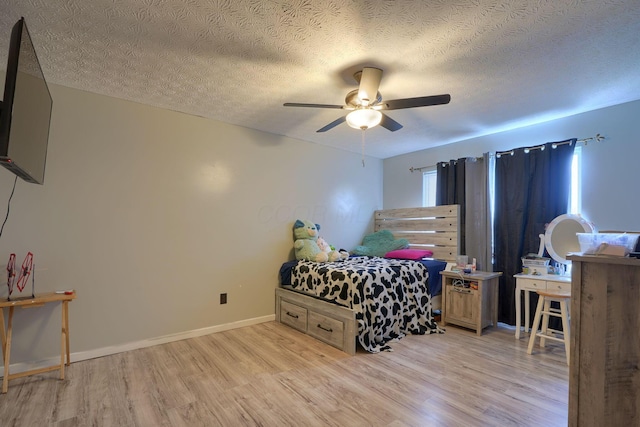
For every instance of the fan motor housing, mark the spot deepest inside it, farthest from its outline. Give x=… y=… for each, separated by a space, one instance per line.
x=353 y=101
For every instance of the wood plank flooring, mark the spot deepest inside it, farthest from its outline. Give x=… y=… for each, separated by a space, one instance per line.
x=272 y=375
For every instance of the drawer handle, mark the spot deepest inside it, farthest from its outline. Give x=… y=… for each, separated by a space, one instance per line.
x=324 y=329
x=462 y=291
x=295 y=316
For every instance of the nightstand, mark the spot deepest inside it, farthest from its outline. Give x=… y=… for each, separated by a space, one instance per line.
x=470 y=300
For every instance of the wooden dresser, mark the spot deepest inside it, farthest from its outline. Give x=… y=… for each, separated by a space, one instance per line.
x=604 y=372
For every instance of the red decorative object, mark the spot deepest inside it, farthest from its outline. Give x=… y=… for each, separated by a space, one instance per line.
x=25 y=271
x=11 y=272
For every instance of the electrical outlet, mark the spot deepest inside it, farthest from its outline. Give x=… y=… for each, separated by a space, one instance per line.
x=223 y=298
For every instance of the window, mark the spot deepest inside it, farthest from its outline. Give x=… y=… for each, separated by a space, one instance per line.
x=575 y=199
x=429 y=181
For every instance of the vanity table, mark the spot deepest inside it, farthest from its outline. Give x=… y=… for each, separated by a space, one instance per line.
x=560 y=238
x=530 y=283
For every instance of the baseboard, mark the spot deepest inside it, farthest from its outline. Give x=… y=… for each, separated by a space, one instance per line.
x=106 y=351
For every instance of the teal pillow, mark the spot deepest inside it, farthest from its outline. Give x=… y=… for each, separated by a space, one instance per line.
x=379 y=243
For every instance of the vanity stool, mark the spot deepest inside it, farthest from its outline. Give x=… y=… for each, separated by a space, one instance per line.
x=541 y=319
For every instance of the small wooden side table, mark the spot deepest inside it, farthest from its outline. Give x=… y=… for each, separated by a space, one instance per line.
x=470 y=300
x=5 y=334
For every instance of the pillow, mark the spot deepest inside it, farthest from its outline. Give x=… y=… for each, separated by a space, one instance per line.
x=379 y=243
x=409 y=254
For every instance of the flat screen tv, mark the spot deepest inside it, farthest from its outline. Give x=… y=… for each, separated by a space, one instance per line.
x=25 y=112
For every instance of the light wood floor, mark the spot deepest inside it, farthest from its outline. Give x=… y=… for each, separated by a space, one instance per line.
x=271 y=375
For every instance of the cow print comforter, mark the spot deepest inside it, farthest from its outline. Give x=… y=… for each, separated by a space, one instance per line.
x=390 y=297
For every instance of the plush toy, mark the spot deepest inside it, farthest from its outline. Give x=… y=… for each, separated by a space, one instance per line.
x=306 y=243
x=331 y=251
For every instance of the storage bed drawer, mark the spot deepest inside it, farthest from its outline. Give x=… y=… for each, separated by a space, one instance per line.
x=326 y=329
x=293 y=315
x=330 y=323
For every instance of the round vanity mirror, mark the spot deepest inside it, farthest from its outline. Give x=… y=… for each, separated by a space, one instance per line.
x=560 y=237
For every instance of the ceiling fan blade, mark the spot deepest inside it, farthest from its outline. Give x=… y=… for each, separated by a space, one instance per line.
x=388 y=123
x=369 y=84
x=422 y=101
x=333 y=124
x=295 y=104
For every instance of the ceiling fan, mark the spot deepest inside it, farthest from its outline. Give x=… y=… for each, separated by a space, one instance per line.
x=366 y=104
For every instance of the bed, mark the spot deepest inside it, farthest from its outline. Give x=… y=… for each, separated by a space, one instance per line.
x=373 y=300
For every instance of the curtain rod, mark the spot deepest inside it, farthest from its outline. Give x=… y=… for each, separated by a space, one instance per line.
x=412 y=169
x=584 y=141
x=596 y=138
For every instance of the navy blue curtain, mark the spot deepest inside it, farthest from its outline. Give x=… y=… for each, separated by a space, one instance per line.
x=450 y=190
x=531 y=189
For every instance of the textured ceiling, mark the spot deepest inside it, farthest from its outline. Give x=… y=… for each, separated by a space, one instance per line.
x=505 y=63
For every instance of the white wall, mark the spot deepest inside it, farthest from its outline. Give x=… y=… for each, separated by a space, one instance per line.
x=609 y=170
x=150 y=214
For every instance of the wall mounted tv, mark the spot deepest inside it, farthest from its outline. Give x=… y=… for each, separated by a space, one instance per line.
x=25 y=112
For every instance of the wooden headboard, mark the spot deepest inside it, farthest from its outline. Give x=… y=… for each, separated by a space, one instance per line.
x=435 y=228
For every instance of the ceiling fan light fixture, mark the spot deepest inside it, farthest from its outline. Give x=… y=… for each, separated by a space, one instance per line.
x=366 y=101
x=364 y=118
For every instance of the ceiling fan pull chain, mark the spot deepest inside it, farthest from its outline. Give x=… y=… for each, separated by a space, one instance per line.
x=363 y=147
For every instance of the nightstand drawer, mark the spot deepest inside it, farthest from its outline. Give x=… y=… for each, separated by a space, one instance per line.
x=326 y=329
x=293 y=315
